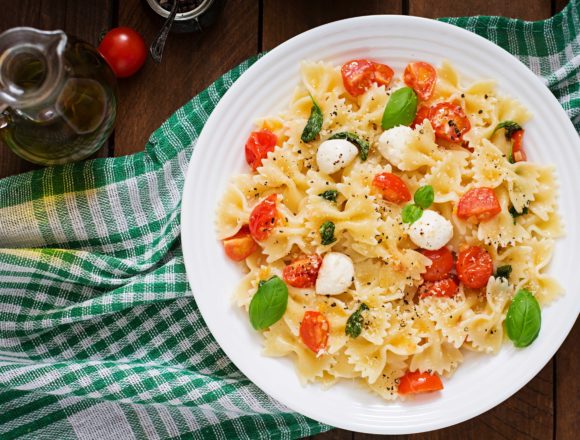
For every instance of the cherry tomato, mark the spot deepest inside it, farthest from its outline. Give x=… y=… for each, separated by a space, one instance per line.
x=124 y=50
x=518 y=153
x=422 y=114
x=258 y=145
x=392 y=188
x=358 y=75
x=314 y=330
x=478 y=204
x=263 y=218
x=446 y=287
x=416 y=382
x=421 y=77
x=240 y=245
x=449 y=121
x=474 y=267
x=303 y=271
x=383 y=74
x=441 y=264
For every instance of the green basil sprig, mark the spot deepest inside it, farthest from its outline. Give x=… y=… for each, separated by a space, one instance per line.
x=314 y=123
x=411 y=213
x=269 y=303
x=327 y=233
x=401 y=108
x=363 y=146
x=330 y=195
x=503 y=272
x=510 y=128
x=515 y=214
x=424 y=196
x=523 y=319
x=355 y=321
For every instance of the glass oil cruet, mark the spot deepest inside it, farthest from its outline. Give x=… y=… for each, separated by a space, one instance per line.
x=57 y=96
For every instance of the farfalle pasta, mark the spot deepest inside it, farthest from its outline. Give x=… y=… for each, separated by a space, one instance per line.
x=412 y=245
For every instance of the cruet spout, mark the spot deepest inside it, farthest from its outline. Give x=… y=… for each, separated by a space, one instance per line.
x=31 y=69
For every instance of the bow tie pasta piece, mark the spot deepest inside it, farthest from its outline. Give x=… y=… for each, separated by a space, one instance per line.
x=490 y=166
x=290 y=231
x=529 y=261
x=447 y=314
x=543 y=205
x=408 y=149
x=447 y=175
x=282 y=170
x=387 y=381
x=279 y=342
x=232 y=213
x=447 y=82
x=501 y=230
x=437 y=355
x=485 y=327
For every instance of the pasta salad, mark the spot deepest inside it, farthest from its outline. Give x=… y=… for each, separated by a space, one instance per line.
x=387 y=223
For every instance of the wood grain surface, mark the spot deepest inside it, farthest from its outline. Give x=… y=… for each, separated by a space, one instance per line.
x=549 y=406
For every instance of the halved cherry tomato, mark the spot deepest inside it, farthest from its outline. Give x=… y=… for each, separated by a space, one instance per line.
x=303 y=271
x=421 y=77
x=449 y=121
x=314 y=330
x=358 y=75
x=422 y=114
x=474 y=267
x=392 y=188
x=240 y=245
x=518 y=153
x=441 y=264
x=446 y=287
x=416 y=382
x=383 y=74
x=258 y=145
x=478 y=204
x=263 y=218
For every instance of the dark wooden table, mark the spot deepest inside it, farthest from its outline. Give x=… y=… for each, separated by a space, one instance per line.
x=549 y=406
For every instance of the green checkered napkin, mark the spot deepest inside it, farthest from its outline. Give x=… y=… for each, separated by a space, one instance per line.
x=100 y=337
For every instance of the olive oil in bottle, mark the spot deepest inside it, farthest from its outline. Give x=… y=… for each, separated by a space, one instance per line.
x=59 y=96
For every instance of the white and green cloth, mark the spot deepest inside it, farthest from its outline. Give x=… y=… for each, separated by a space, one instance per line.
x=100 y=336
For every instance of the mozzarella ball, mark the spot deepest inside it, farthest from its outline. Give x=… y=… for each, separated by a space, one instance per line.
x=393 y=143
x=334 y=154
x=432 y=231
x=335 y=274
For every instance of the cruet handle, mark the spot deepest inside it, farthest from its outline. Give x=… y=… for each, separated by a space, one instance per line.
x=4 y=121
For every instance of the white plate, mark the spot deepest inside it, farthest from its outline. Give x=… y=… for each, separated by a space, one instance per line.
x=482 y=381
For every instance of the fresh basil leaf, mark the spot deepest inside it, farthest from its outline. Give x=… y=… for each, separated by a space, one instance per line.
x=503 y=271
x=515 y=214
x=411 y=213
x=523 y=319
x=329 y=195
x=327 y=233
x=269 y=303
x=355 y=321
x=363 y=146
x=314 y=123
x=424 y=196
x=510 y=128
x=401 y=108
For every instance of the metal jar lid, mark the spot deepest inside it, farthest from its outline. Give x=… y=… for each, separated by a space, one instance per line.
x=189 y=17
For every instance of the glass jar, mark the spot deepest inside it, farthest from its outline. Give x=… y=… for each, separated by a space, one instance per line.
x=194 y=20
